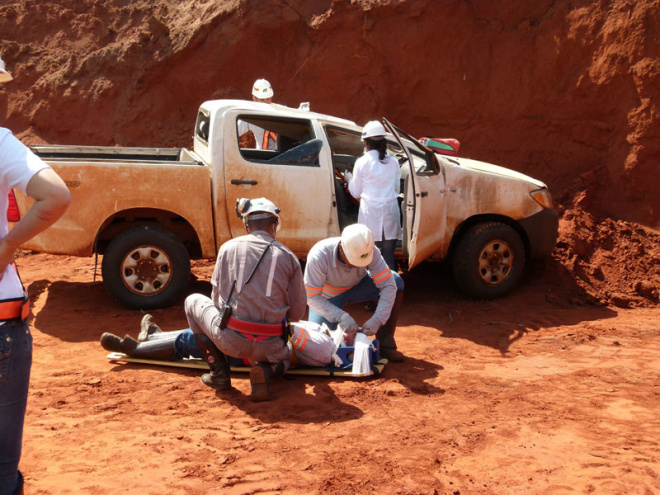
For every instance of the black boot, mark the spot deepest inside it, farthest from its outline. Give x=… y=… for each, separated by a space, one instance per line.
x=385 y=334
x=219 y=377
x=147 y=328
x=162 y=348
x=260 y=376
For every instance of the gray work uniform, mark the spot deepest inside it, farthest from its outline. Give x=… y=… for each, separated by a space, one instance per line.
x=275 y=293
x=327 y=277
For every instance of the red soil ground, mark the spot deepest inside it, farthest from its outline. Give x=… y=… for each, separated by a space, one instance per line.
x=552 y=390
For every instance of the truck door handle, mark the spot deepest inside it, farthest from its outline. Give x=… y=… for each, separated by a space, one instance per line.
x=239 y=182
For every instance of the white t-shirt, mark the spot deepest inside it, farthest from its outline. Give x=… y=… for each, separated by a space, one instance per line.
x=17 y=166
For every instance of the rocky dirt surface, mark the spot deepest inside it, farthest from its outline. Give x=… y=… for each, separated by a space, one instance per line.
x=552 y=390
x=536 y=393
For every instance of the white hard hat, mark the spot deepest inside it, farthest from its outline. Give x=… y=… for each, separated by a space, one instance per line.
x=357 y=241
x=262 y=89
x=373 y=129
x=252 y=207
x=4 y=75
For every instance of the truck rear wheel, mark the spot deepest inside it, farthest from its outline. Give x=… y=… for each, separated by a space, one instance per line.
x=146 y=267
x=489 y=260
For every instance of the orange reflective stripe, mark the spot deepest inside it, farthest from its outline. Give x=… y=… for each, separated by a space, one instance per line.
x=267 y=136
x=387 y=275
x=335 y=290
x=313 y=291
x=298 y=345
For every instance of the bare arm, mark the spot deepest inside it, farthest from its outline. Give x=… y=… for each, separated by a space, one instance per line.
x=51 y=197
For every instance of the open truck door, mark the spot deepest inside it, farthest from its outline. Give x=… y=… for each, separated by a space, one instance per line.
x=425 y=193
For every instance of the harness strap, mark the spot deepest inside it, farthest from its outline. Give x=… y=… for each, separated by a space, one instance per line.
x=255 y=328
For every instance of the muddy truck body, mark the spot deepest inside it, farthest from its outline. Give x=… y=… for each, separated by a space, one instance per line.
x=149 y=211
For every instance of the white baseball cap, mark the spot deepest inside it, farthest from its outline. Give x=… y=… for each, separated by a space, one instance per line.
x=4 y=75
x=262 y=89
x=357 y=241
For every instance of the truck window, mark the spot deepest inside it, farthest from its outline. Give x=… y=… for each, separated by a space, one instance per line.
x=202 y=126
x=277 y=141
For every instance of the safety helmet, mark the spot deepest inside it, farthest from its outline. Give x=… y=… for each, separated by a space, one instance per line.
x=262 y=89
x=357 y=241
x=256 y=209
x=4 y=75
x=373 y=129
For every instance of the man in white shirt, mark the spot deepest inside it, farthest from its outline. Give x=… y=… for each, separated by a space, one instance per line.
x=20 y=169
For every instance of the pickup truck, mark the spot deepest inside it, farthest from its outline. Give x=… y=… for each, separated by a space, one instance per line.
x=149 y=211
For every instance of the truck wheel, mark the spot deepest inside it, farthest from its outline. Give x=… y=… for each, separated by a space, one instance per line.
x=146 y=267
x=489 y=260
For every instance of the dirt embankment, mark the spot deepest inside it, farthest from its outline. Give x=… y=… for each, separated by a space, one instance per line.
x=566 y=91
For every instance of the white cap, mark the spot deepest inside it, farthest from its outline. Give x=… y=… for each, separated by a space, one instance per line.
x=357 y=241
x=250 y=207
x=262 y=89
x=4 y=75
x=373 y=129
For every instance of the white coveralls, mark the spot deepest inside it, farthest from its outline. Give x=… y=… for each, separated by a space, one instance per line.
x=377 y=185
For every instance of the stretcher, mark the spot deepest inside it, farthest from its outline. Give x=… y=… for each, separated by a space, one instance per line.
x=295 y=369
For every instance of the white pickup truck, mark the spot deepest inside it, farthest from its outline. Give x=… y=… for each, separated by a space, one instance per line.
x=149 y=211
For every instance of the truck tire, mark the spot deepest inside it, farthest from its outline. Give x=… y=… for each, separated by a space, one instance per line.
x=146 y=267
x=489 y=260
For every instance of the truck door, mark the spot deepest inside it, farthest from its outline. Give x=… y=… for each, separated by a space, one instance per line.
x=287 y=167
x=425 y=208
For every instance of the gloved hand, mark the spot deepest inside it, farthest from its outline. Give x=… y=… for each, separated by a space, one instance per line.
x=348 y=176
x=347 y=324
x=370 y=327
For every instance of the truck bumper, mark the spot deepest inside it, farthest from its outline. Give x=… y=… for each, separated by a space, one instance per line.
x=542 y=230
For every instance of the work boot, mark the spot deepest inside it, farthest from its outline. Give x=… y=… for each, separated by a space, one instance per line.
x=260 y=376
x=111 y=342
x=219 y=378
x=385 y=334
x=156 y=349
x=147 y=328
x=393 y=355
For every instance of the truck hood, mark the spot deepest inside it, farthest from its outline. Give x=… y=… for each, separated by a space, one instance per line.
x=489 y=168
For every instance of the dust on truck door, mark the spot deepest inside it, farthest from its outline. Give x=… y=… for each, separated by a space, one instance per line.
x=287 y=168
x=425 y=206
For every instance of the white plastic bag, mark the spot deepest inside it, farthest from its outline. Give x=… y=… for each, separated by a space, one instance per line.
x=361 y=355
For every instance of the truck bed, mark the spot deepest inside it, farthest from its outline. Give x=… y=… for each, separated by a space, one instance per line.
x=181 y=156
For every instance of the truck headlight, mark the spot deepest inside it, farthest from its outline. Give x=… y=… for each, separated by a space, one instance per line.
x=542 y=197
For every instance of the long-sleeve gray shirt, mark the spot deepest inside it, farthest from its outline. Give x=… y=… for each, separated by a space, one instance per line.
x=276 y=289
x=326 y=276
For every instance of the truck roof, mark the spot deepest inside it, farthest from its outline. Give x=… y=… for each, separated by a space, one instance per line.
x=221 y=106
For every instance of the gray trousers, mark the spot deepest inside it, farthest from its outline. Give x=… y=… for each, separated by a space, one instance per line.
x=202 y=316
